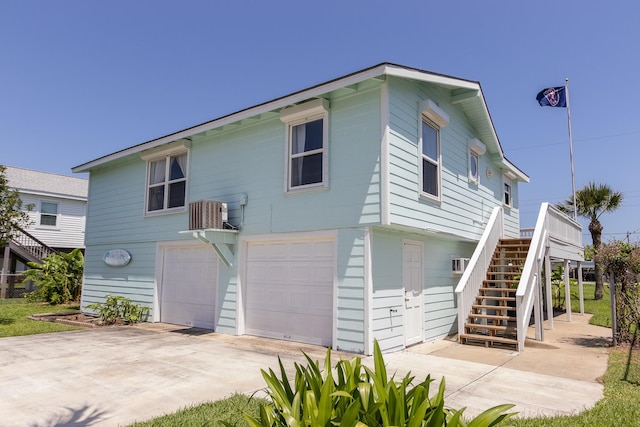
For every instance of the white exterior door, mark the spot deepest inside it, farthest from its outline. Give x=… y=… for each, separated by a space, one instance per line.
x=189 y=285
x=289 y=290
x=412 y=284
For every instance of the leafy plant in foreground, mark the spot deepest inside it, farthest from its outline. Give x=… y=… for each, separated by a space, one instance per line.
x=58 y=278
x=354 y=395
x=117 y=307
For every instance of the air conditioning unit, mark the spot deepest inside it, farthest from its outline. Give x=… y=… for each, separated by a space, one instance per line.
x=458 y=265
x=210 y=214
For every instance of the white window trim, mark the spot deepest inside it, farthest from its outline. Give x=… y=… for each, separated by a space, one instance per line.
x=475 y=179
x=507 y=180
x=297 y=115
x=57 y=215
x=166 y=153
x=436 y=118
x=476 y=149
x=422 y=157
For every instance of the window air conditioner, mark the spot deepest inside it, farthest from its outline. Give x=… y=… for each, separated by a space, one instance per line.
x=458 y=265
x=207 y=214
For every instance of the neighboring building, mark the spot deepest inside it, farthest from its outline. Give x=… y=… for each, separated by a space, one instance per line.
x=59 y=205
x=56 y=221
x=353 y=207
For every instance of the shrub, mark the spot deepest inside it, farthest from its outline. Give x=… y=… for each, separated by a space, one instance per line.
x=358 y=396
x=118 y=308
x=58 y=278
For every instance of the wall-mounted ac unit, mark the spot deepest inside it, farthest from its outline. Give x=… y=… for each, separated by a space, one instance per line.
x=458 y=265
x=207 y=214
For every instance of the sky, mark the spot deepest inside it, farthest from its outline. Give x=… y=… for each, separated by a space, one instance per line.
x=82 y=79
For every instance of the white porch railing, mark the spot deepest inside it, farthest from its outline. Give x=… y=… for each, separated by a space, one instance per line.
x=476 y=272
x=552 y=228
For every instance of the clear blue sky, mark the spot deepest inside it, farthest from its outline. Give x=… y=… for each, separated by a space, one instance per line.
x=81 y=79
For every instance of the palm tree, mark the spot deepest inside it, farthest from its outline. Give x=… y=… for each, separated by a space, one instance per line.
x=594 y=200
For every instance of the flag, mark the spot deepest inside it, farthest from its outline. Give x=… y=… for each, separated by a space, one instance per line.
x=552 y=97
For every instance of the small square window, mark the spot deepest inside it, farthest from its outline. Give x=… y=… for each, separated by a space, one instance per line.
x=48 y=214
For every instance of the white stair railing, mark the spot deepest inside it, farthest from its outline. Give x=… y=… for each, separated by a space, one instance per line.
x=552 y=226
x=476 y=272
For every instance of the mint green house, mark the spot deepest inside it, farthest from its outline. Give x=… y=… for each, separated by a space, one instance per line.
x=336 y=215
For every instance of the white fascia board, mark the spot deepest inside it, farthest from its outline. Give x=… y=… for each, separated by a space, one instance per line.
x=52 y=195
x=519 y=175
x=439 y=79
x=276 y=104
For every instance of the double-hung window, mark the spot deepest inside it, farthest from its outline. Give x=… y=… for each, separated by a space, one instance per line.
x=167 y=183
x=432 y=120
x=430 y=159
x=48 y=214
x=307 y=145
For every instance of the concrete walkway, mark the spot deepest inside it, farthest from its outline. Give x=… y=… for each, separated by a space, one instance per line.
x=114 y=376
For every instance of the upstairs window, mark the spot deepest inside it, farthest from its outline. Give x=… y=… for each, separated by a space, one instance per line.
x=167 y=183
x=432 y=119
x=307 y=154
x=430 y=159
x=474 y=167
x=507 y=191
x=476 y=149
x=307 y=145
x=48 y=214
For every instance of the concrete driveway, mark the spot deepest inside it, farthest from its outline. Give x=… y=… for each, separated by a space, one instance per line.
x=115 y=376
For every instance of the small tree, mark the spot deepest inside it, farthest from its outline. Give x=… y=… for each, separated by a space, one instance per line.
x=59 y=278
x=591 y=202
x=12 y=217
x=623 y=260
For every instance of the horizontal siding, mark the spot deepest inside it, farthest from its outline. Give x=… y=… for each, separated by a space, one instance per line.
x=350 y=287
x=465 y=206
x=251 y=160
x=134 y=281
x=440 y=316
x=69 y=230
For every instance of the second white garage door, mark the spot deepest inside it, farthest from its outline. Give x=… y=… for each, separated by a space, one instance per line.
x=188 y=288
x=289 y=291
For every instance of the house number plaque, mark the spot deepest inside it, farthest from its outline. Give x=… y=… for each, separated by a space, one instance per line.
x=117 y=258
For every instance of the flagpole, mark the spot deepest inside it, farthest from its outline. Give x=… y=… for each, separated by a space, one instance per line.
x=573 y=178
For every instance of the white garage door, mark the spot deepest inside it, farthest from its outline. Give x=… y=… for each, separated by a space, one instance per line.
x=290 y=290
x=189 y=284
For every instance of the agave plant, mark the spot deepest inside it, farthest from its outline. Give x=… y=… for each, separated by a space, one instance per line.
x=353 y=395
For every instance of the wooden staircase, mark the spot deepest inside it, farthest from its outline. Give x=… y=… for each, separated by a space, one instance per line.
x=492 y=321
x=22 y=246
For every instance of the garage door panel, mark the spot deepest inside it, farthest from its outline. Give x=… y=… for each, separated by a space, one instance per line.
x=189 y=287
x=290 y=290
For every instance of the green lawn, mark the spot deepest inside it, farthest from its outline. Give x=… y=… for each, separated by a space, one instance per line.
x=601 y=309
x=14 y=322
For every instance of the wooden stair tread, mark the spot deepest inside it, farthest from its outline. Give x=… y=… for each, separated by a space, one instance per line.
x=507 y=263
x=502 y=328
x=499 y=289
x=494 y=298
x=490 y=338
x=493 y=307
x=492 y=317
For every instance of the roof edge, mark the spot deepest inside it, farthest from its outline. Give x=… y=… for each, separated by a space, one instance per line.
x=381 y=69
